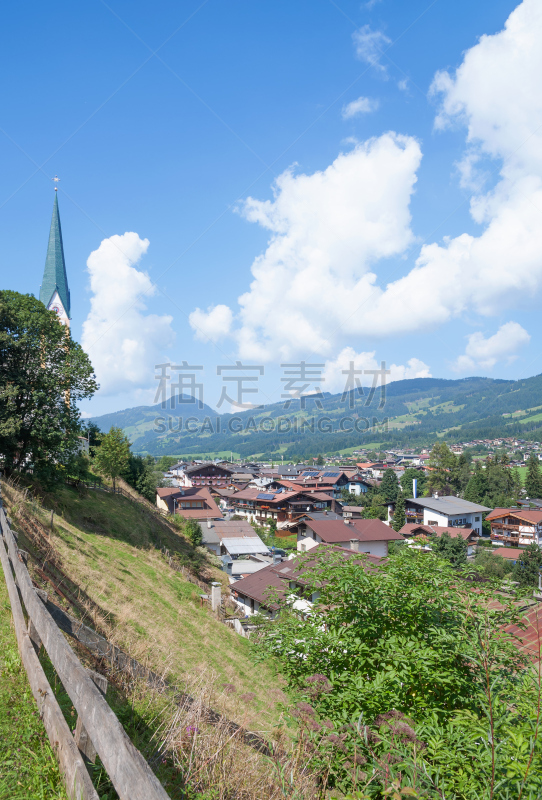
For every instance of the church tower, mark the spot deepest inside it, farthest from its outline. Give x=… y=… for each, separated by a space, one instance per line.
x=54 y=292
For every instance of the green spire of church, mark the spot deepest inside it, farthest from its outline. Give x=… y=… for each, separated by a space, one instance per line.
x=55 y=280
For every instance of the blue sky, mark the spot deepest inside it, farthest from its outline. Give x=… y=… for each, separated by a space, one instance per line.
x=163 y=119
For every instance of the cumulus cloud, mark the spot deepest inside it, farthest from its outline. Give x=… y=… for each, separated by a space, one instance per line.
x=316 y=286
x=339 y=370
x=370 y=46
x=485 y=353
x=363 y=105
x=213 y=324
x=124 y=343
x=327 y=229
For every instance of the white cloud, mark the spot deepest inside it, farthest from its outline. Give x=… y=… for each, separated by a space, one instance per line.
x=327 y=229
x=370 y=46
x=123 y=342
x=335 y=376
x=485 y=353
x=315 y=285
x=363 y=105
x=403 y=85
x=213 y=324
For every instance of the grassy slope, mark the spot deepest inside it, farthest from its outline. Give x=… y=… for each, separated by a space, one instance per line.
x=108 y=547
x=28 y=768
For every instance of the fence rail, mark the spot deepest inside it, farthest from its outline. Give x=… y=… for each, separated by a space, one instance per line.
x=129 y=772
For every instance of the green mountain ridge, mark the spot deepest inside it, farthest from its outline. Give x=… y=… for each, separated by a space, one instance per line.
x=406 y=413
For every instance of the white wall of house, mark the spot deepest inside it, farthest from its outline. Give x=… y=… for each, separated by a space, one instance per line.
x=472 y=520
x=378 y=548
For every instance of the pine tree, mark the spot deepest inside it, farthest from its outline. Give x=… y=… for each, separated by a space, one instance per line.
x=444 y=469
x=389 y=486
x=477 y=486
x=533 y=481
x=399 y=517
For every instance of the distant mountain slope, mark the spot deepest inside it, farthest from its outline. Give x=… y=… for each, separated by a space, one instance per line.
x=409 y=411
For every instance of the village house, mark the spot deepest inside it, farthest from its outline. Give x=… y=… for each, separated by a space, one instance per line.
x=233 y=538
x=254 y=594
x=205 y=474
x=282 y=506
x=412 y=531
x=445 y=512
x=361 y=535
x=513 y=527
x=189 y=503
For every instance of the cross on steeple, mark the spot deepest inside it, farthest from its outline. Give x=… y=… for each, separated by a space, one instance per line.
x=56 y=179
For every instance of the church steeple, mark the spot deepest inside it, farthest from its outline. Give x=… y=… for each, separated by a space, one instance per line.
x=54 y=292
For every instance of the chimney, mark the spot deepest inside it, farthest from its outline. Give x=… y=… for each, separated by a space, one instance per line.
x=354 y=545
x=208 y=523
x=346 y=521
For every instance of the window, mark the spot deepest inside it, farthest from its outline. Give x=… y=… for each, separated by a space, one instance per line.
x=432 y=522
x=477 y=519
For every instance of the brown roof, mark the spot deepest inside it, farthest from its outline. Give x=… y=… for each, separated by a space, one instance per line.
x=225 y=528
x=366 y=530
x=413 y=529
x=276 y=576
x=374 y=530
x=209 y=511
x=532 y=515
x=512 y=553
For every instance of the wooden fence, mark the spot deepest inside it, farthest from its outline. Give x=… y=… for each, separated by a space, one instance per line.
x=98 y=729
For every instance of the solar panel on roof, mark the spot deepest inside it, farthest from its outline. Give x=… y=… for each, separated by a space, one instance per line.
x=331 y=474
x=265 y=496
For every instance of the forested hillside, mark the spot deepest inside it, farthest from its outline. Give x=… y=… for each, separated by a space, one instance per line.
x=410 y=412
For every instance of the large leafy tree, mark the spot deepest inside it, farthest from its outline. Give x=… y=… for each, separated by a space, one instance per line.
x=44 y=374
x=113 y=455
x=453 y=549
x=533 y=480
x=407 y=670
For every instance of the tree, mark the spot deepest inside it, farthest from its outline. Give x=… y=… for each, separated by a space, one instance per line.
x=477 y=486
x=375 y=507
x=194 y=532
x=165 y=463
x=443 y=465
x=113 y=455
x=527 y=567
x=320 y=460
x=409 y=645
x=533 y=480
x=453 y=549
x=44 y=375
x=389 y=487
x=93 y=435
x=408 y=476
x=399 y=517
